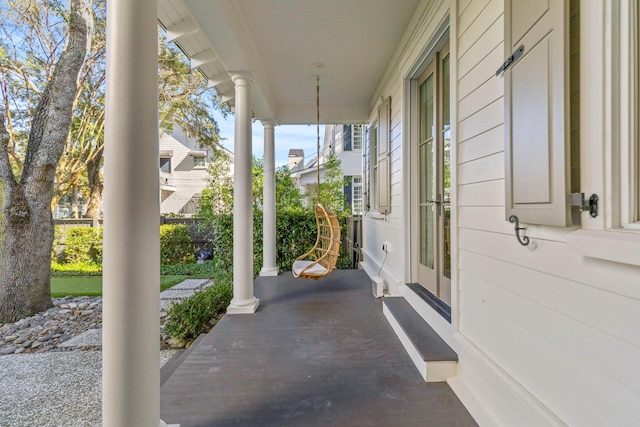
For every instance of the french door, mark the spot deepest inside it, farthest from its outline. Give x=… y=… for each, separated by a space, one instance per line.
x=434 y=178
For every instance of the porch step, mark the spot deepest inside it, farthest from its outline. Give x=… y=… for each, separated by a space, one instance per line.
x=433 y=357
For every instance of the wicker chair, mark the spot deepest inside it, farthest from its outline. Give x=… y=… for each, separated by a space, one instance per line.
x=320 y=260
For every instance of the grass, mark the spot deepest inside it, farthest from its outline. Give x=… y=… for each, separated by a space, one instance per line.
x=61 y=286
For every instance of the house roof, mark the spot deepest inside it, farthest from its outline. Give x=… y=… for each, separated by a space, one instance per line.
x=279 y=44
x=296 y=152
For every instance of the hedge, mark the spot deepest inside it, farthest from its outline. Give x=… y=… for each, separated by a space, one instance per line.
x=296 y=233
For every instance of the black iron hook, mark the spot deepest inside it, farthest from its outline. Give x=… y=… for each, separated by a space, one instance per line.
x=524 y=240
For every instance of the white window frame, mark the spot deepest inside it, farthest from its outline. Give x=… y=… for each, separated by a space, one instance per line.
x=203 y=159
x=357 y=134
x=609 y=131
x=357 y=202
x=628 y=101
x=169 y=162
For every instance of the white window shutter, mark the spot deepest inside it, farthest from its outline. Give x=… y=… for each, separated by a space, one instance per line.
x=384 y=173
x=366 y=167
x=536 y=112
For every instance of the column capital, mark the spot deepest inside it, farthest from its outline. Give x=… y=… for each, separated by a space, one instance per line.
x=268 y=124
x=242 y=79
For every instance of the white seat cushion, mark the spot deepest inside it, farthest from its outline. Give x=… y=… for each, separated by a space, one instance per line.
x=316 y=270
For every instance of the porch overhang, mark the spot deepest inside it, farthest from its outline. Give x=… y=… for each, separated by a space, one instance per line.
x=283 y=44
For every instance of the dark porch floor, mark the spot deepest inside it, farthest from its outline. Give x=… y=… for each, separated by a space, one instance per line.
x=317 y=353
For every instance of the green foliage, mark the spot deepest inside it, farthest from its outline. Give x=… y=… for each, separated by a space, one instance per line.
x=296 y=233
x=76 y=269
x=192 y=316
x=184 y=95
x=196 y=271
x=288 y=196
x=331 y=191
x=217 y=198
x=81 y=245
x=175 y=244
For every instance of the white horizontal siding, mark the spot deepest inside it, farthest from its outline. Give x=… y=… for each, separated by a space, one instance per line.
x=488 y=193
x=485 y=144
x=574 y=390
x=563 y=328
x=490 y=12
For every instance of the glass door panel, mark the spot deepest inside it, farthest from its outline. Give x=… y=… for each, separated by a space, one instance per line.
x=427 y=181
x=434 y=178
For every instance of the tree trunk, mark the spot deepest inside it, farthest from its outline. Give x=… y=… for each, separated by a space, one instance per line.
x=95 y=186
x=26 y=223
x=75 y=210
x=26 y=238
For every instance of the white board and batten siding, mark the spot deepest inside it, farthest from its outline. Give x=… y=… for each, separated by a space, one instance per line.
x=544 y=336
x=563 y=330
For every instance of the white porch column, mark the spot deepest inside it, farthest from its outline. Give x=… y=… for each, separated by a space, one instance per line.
x=243 y=299
x=269 y=267
x=131 y=265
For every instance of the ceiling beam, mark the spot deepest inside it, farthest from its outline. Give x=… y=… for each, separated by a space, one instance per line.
x=218 y=79
x=181 y=29
x=202 y=58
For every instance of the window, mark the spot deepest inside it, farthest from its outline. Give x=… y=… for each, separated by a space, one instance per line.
x=357 y=196
x=199 y=161
x=356 y=137
x=165 y=164
x=629 y=94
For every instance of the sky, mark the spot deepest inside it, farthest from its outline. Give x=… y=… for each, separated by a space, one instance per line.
x=286 y=138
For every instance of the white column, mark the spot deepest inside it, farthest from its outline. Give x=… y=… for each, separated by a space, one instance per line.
x=269 y=267
x=131 y=265
x=243 y=299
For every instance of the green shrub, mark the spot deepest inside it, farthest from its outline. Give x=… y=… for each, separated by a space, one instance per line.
x=81 y=245
x=296 y=233
x=175 y=244
x=196 y=314
x=76 y=269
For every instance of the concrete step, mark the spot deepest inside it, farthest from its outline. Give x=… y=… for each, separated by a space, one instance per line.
x=433 y=357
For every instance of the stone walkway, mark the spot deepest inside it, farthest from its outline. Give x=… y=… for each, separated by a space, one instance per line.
x=61 y=385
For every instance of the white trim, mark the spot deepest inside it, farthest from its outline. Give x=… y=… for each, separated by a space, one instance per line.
x=617 y=246
x=372 y=268
x=470 y=402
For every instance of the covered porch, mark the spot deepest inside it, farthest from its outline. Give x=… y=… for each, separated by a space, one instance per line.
x=315 y=353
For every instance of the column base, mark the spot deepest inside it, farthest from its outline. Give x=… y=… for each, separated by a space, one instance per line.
x=163 y=424
x=243 y=307
x=269 y=271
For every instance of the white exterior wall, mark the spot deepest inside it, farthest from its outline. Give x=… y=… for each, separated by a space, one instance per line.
x=544 y=336
x=187 y=180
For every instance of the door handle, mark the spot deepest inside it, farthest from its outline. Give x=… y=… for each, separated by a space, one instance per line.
x=437 y=202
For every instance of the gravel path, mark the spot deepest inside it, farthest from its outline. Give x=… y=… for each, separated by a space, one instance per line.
x=53 y=389
x=51 y=363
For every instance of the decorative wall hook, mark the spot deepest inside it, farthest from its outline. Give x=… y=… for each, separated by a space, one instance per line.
x=524 y=240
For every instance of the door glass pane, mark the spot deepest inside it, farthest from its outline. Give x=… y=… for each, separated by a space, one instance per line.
x=446 y=205
x=426 y=109
x=424 y=158
x=446 y=95
x=426 y=236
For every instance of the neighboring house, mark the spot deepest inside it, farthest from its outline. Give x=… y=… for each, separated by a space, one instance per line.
x=347 y=142
x=183 y=171
x=478 y=112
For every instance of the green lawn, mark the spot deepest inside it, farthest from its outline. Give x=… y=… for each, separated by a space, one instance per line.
x=62 y=286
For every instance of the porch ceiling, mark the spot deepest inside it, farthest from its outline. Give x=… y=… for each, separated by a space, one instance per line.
x=278 y=42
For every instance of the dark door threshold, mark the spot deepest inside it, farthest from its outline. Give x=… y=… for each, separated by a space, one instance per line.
x=436 y=303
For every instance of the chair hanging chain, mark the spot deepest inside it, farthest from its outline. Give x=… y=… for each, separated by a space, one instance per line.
x=318 y=134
